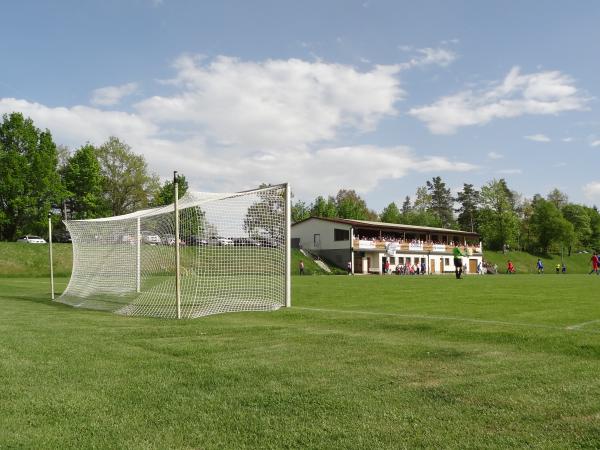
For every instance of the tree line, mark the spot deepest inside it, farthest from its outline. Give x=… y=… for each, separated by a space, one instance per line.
x=501 y=216
x=37 y=176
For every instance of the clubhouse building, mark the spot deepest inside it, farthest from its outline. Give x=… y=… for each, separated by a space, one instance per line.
x=368 y=245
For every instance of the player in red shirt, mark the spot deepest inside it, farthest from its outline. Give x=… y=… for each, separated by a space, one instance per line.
x=510 y=267
x=595 y=264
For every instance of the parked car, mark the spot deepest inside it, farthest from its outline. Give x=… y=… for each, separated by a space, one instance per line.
x=150 y=237
x=245 y=242
x=127 y=239
x=195 y=240
x=29 y=239
x=224 y=241
x=62 y=236
x=169 y=239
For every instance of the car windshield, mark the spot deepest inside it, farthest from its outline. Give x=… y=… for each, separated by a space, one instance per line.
x=34 y=237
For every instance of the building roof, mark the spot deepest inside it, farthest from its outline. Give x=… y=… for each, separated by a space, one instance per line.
x=390 y=226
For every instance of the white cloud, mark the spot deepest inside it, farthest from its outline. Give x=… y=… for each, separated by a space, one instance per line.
x=595 y=143
x=510 y=171
x=592 y=190
x=76 y=125
x=494 y=155
x=230 y=125
x=112 y=95
x=549 y=92
x=538 y=138
x=428 y=56
x=276 y=103
x=568 y=139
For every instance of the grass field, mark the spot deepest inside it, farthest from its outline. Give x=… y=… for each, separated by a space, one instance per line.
x=358 y=362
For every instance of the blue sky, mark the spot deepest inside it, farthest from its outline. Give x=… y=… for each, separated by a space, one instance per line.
x=378 y=96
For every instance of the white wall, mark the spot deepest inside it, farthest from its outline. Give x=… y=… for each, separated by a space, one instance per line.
x=307 y=229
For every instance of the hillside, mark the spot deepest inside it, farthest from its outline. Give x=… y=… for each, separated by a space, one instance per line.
x=526 y=262
x=28 y=260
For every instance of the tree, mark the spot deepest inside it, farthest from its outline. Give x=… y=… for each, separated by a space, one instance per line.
x=422 y=199
x=259 y=223
x=406 y=206
x=578 y=216
x=83 y=181
x=126 y=183
x=390 y=214
x=349 y=205
x=549 y=226
x=441 y=201
x=498 y=221
x=594 y=216
x=300 y=211
x=323 y=208
x=29 y=182
x=558 y=198
x=166 y=193
x=468 y=199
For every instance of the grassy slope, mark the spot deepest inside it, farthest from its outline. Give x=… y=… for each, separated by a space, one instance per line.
x=526 y=262
x=32 y=260
x=371 y=362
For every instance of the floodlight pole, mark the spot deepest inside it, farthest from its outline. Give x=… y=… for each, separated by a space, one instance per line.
x=50 y=251
x=177 y=260
x=288 y=246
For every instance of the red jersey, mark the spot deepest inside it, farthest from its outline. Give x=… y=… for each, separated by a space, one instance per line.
x=595 y=260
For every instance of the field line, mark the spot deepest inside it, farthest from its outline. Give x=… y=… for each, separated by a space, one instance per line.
x=581 y=325
x=452 y=318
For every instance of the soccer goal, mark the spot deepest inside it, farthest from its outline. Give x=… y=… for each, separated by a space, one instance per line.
x=220 y=252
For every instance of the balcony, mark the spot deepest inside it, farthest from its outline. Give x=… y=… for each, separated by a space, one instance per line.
x=407 y=247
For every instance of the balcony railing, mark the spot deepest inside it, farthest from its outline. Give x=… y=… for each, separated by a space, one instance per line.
x=401 y=247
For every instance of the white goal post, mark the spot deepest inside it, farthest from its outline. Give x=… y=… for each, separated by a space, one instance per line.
x=221 y=252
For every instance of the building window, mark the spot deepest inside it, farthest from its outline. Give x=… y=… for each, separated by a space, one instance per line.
x=341 y=235
x=400 y=260
x=447 y=261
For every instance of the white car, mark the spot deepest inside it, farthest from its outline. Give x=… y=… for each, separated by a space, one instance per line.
x=224 y=241
x=149 y=237
x=32 y=240
x=169 y=239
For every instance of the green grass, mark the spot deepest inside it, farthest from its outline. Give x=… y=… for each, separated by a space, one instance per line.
x=526 y=262
x=29 y=260
x=358 y=362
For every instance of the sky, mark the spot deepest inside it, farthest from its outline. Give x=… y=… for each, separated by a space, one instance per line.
x=376 y=96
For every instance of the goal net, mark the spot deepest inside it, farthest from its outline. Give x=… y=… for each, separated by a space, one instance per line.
x=233 y=253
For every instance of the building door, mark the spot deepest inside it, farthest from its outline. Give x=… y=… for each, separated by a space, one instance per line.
x=383 y=260
x=432 y=265
x=317 y=241
x=472 y=266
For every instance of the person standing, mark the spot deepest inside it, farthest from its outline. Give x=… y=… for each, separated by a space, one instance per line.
x=557 y=269
x=301 y=267
x=510 y=267
x=349 y=267
x=540 y=266
x=595 y=261
x=423 y=267
x=458 y=266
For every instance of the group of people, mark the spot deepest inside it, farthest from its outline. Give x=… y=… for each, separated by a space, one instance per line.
x=406 y=269
x=400 y=240
x=421 y=269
